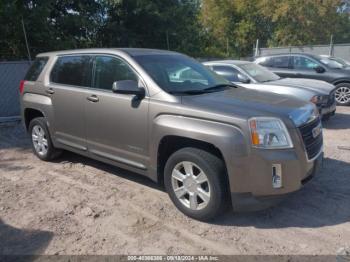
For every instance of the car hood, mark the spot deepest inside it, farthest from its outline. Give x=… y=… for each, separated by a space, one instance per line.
x=284 y=90
x=244 y=103
x=318 y=86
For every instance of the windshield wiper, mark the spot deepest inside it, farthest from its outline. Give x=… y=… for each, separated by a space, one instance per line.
x=219 y=86
x=202 y=91
x=189 y=92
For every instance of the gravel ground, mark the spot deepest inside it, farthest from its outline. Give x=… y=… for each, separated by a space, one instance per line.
x=79 y=206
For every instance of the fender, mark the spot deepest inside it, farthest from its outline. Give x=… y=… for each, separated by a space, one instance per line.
x=229 y=139
x=38 y=102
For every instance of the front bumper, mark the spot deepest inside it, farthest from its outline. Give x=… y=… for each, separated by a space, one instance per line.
x=266 y=196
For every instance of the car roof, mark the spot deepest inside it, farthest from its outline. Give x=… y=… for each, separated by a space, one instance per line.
x=146 y=51
x=286 y=54
x=129 y=51
x=228 y=62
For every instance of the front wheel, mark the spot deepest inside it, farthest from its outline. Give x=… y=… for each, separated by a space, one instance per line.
x=196 y=183
x=342 y=94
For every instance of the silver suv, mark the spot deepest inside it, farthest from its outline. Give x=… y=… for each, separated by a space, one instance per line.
x=209 y=141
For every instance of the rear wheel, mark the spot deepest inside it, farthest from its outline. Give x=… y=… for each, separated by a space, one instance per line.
x=41 y=141
x=342 y=94
x=196 y=183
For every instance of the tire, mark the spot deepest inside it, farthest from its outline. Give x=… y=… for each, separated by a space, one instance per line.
x=40 y=138
x=342 y=94
x=215 y=186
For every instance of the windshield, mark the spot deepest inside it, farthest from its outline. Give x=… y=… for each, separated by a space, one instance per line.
x=331 y=63
x=180 y=74
x=259 y=73
x=340 y=61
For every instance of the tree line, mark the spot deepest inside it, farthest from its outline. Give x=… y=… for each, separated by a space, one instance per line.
x=200 y=28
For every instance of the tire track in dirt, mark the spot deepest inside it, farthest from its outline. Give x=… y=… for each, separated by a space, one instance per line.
x=157 y=224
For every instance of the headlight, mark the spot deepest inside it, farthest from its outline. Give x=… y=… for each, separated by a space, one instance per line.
x=319 y=99
x=269 y=133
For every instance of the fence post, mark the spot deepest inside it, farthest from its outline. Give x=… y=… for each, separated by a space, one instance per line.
x=26 y=40
x=257 y=48
x=331 y=51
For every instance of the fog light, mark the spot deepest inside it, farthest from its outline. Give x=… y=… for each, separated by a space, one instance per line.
x=276 y=176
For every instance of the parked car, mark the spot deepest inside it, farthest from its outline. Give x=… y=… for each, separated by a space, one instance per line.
x=199 y=134
x=311 y=66
x=253 y=76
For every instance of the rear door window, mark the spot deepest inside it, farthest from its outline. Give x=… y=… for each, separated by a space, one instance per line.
x=280 y=62
x=36 y=68
x=230 y=73
x=73 y=70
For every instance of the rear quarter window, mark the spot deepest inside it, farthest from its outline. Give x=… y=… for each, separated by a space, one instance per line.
x=72 y=70
x=36 y=68
x=274 y=61
x=264 y=61
x=230 y=73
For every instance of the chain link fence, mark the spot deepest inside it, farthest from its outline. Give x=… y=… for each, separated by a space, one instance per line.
x=11 y=73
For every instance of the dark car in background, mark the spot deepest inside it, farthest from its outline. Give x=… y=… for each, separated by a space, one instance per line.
x=303 y=65
x=256 y=77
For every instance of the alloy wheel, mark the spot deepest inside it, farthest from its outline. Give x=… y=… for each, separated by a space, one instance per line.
x=39 y=140
x=342 y=95
x=191 y=185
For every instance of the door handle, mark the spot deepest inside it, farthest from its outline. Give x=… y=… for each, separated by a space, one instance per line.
x=93 y=98
x=50 y=91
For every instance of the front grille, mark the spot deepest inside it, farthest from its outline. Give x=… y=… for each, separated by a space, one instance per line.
x=312 y=144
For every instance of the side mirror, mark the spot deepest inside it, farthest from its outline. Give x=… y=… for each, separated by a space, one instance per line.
x=128 y=87
x=243 y=79
x=319 y=69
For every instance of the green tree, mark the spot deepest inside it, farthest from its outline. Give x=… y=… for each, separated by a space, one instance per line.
x=196 y=27
x=162 y=24
x=236 y=24
x=50 y=25
x=302 y=22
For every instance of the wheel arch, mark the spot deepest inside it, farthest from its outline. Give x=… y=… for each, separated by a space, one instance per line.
x=340 y=81
x=30 y=114
x=172 y=143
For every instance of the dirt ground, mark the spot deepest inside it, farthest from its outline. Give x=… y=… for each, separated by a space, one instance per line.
x=80 y=206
